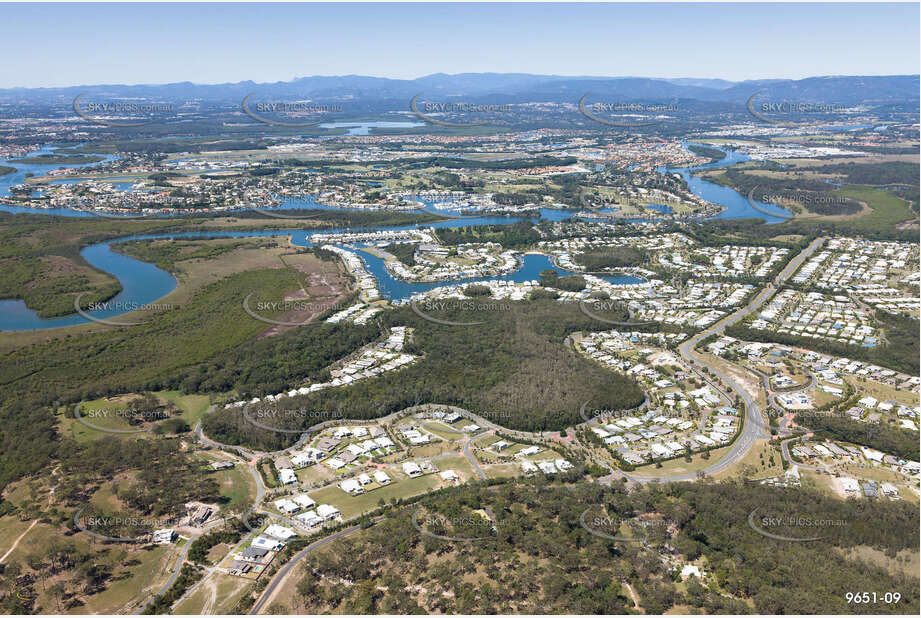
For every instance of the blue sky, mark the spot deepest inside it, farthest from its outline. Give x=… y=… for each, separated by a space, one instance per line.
x=76 y=44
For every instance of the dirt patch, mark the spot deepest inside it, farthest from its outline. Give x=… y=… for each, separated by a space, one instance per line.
x=325 y=287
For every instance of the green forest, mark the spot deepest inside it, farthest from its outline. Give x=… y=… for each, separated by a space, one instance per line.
x=540 y=556
x=515 y=360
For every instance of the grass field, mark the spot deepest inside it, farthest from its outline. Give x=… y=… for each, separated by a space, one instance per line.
x=353 y=506
x=502 y=470
x=756 y=464
x=887 y=210
x=884 y=392
x=193 y=408
x=135 y=571
x=680 y=466
x=904 y=563
x=442 y=431
x=237 y=487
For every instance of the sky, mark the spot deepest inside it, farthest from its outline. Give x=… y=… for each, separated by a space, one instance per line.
x=84 y=44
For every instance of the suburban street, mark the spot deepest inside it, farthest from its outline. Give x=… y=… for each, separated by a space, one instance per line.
x=283 y=572
x=753 y=428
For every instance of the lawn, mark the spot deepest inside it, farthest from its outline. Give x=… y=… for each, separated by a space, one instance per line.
x=680 y=466
x=10 y=529
x=135 y=588
x=443 y=431
x=193 y=406
x=883 y=392
x=237 y=486
x=459 y=464
x=353 y=506
x=109 y=412
x=756 y=463
x=314 y=473
x=872 y=473
x=502 y=470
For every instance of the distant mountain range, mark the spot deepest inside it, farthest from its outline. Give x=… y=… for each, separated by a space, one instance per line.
x=504 y=88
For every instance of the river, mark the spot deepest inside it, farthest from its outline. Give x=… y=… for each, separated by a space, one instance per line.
x=144 y=284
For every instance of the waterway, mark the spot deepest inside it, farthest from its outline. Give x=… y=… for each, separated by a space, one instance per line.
x=144 y=284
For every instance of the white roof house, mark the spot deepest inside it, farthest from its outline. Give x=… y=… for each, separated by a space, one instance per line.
x=279 y=532
x=287 y=476
x=327 y=511
x=286 y=506
x=351 y=486
x=381 y=477
x=449 y=475
x=166 y=535
x=411 y=469
x=304 y=501
x=309 y=519
x=356 y=449
x=335 y=463
x=264 y=542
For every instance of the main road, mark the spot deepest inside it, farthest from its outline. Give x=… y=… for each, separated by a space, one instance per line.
x=753 y=427
x=285 y=570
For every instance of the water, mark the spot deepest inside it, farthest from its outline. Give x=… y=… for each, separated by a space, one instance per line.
x=365 y=128
x=736 y=205
x=530 y=269
x=19 y=176
x=665 y=210
x=144 y=283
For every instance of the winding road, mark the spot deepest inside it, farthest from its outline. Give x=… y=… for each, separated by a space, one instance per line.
x=283 y=572
x=753 y=427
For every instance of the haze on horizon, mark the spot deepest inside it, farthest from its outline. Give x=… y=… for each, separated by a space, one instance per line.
x=81 y=44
